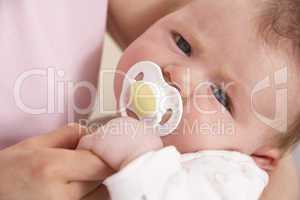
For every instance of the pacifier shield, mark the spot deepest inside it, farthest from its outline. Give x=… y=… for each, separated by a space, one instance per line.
x=151 y=98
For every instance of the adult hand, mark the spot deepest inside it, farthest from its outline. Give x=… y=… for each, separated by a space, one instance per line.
x=120 y=141
x=47 y=167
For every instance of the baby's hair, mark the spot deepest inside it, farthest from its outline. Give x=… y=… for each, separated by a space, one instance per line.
x=280 y=23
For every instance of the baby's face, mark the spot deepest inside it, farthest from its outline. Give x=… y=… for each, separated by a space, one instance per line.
x=212 y=52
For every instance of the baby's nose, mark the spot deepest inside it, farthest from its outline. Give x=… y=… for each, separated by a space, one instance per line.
x=178 y=77
x=168 y=79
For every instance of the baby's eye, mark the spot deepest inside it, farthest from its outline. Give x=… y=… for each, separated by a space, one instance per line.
x=182 y=44
x=221 y=96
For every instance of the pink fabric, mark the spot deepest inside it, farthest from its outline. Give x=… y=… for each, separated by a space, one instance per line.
x=45 y=48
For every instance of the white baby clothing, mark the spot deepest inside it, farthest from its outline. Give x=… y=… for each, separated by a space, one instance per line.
x=206 y=175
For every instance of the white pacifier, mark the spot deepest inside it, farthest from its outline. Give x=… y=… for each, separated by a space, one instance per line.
x=151 y=98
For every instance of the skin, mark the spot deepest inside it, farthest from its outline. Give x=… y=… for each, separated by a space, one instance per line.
x=218 y=58
x=283 y=182
x=39 y=168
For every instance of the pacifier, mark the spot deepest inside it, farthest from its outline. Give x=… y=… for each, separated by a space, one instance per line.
x=151 y=98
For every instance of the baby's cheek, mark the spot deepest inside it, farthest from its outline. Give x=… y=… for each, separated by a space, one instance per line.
x=203 y=126
x=208 y=115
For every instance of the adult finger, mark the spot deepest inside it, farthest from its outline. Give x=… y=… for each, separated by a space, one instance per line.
x=79 y=190
x=80 y=165
x=66 y=137
x=100 y=193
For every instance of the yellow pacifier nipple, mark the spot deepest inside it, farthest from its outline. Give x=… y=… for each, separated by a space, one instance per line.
x=143 y=99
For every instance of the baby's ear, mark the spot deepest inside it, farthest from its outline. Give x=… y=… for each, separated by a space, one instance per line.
x=267 y=158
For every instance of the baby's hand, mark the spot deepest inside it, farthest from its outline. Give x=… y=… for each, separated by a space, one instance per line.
x=120 y=141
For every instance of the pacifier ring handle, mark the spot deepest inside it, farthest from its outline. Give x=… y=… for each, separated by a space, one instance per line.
x=132 y=114
x=166 y=117
x=139 y=77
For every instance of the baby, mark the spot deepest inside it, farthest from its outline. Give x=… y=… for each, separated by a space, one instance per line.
x=249 y=52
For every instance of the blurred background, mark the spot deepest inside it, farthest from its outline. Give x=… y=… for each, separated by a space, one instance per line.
x=111 y=56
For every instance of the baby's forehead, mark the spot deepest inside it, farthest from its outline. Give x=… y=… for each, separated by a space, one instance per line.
x=219 y=18
x=215 y=9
